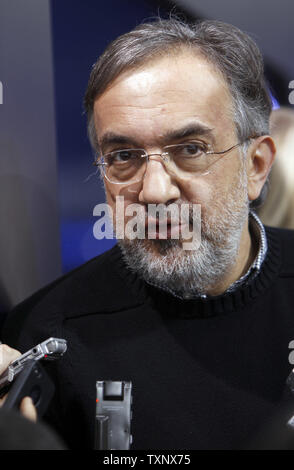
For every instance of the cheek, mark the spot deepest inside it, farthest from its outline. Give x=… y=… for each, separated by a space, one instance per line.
x=128 y=195
x=210 y=191
x=198 y=191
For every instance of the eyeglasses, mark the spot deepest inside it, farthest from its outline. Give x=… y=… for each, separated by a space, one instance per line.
x=129 y=165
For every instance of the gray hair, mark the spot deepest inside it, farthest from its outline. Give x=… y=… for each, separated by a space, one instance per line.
x=234 y=54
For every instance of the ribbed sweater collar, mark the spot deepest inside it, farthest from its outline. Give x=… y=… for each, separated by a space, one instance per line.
x=167 y=304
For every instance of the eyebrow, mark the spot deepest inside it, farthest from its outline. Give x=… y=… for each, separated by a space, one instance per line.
x=194 y=129
x=188 y=131
x=110 y=138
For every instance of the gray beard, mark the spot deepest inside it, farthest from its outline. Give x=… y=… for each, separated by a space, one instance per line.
x=190 y=273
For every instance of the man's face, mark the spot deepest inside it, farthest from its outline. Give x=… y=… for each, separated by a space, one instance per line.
x=175 y=100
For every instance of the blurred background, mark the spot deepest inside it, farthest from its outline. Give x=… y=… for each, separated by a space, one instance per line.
x=47 y=48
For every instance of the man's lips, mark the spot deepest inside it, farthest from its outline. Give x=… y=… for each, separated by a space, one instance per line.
x=159 y=222
x=163 y=229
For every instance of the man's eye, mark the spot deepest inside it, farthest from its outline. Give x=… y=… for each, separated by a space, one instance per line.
x=122 y=155
x=192 y=150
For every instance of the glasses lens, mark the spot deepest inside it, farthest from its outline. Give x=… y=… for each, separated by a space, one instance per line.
x=188 y=157
x=123 y=166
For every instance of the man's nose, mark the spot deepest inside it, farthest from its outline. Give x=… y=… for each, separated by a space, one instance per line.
x=158 y=185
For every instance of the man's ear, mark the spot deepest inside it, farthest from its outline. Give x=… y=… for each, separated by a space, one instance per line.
x=260 y=158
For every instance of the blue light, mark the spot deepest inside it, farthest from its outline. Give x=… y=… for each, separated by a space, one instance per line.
x=275 y=103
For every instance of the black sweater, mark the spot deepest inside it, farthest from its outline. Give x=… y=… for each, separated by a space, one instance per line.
x=206 y=374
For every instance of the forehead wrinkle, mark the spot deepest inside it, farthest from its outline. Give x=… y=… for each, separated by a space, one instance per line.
x=135 y=106
x=162 y=106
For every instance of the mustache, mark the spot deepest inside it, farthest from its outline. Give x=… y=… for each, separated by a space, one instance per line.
x=171 y=214
x=172 y=225
x=180 y=220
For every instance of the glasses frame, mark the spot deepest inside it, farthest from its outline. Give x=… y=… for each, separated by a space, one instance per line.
x=162 y=155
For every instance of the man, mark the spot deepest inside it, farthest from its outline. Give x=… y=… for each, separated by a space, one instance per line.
x=202 y=333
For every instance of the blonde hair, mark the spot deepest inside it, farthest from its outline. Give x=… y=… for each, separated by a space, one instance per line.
x=278 y=209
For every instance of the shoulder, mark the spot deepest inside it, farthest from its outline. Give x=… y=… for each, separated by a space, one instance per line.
x=285 y=240
x=96 y=286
